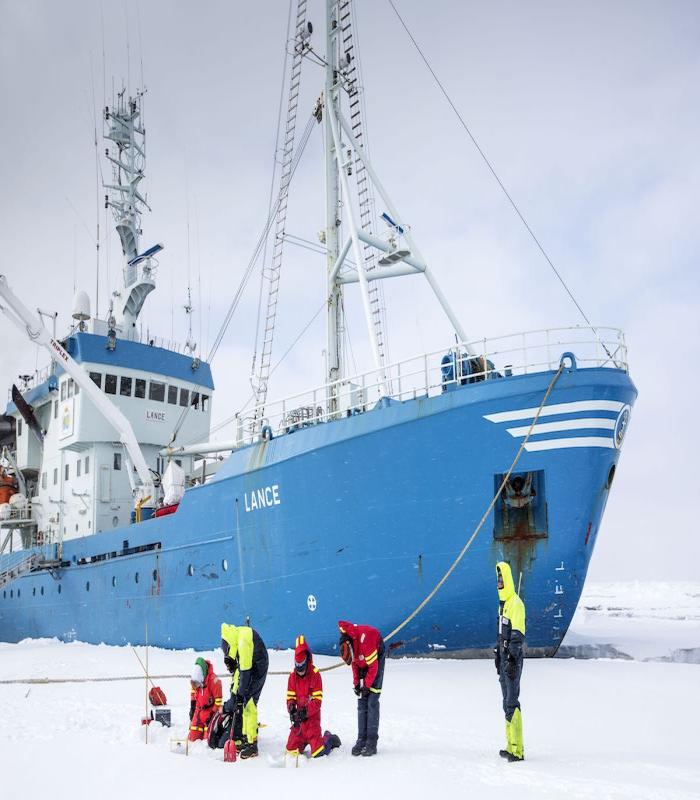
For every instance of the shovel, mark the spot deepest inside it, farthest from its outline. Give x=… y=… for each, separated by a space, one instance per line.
x=230 y=751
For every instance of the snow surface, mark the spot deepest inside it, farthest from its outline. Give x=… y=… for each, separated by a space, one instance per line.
x=597 y=728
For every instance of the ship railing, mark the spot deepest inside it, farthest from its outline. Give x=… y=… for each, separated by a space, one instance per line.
x=432 y=373
x=38 y=377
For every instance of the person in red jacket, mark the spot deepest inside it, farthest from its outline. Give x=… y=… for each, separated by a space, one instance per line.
x=362 y=647
x=205 y=699
x=304 y=698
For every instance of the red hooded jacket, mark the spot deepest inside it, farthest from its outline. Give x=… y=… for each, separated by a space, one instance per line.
x=367 y=645
x=207 y=700
x=305 y=690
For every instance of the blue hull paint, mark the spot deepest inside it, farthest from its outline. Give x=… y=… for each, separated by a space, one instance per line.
x=371 y=511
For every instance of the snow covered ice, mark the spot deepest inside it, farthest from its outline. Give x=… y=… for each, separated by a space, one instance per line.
x=601 y=727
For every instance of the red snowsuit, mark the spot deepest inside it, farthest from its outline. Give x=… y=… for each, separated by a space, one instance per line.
x=207 y=700
x=366 y=642
x=306 y=691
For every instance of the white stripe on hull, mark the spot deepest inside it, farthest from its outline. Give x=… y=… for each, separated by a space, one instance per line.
x=565 y=425
x=574 y=441
x=557 y=408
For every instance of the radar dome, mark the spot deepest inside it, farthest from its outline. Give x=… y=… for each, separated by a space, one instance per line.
x=81 y=306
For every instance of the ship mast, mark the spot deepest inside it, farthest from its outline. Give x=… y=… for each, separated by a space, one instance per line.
x=336 y=368
x=127 y=154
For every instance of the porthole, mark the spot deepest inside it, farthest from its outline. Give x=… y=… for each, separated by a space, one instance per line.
x=12 y=593
x=87 y=586
x=18 y=592
x=224 y=565
x=136 y=578
x=611 y=475
x=114 y=581
x=4 y=594
x=34 y=592
x=155 y=576
x=41 y=591
x=190 y=570
x=59 y=588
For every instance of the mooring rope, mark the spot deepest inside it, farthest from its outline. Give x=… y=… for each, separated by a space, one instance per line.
x=401 y=625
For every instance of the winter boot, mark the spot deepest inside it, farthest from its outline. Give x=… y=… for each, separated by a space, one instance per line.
x=505 y=753
x=517 y=751
x=370 y=749
x=249 y=750
x=358 y=747
x=330 y=741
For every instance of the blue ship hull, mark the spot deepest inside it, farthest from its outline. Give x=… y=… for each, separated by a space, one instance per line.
x=357 y=519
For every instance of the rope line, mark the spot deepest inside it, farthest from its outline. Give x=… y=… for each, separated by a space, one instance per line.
x=402 y=624
x=491 y=168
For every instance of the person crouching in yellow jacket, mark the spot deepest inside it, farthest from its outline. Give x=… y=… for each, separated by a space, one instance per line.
x=509 y=659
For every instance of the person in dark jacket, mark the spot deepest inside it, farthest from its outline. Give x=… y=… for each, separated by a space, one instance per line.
x=509 y=659
x=245 y=656
x=362 y=648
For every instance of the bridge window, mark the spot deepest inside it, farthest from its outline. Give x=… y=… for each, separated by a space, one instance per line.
x=87 y=464
x=117 y=461
x=43 y=480
x=184 y=397
x=110 y=384
x=55 y=475
x=19 y=427
x=77 y=388
x=125 y=386
x=55 y=409
x=140 y=388
x=64 y=385
x=67 y=471
x=172 y=395
x=205 y=402
x=96 y=378
x=156 y=391
x=77 y=468
x=195 y=400
x=71 y=387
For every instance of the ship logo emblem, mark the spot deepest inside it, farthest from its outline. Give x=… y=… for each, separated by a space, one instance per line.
x=311 y=602
x=623 y=419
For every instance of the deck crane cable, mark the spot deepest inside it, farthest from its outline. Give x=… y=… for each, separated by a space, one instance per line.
x=411 y=616
x=249 y=269
x=495 y=175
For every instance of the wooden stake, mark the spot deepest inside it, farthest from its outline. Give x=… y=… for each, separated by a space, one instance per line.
x=147 y=712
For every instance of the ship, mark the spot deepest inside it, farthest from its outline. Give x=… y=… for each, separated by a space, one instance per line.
x=351 y=500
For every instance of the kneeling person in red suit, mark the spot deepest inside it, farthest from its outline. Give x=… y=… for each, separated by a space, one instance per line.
x=304 y=697
x=205 y=699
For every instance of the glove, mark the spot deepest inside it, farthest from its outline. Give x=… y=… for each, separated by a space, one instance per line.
x=230 y=664
x=193 y=705
x=511 y=668
x=365 y=691
x=229 y=706
x=497 y=660
x=301 y=715
x=293 y=713
x=357 y=690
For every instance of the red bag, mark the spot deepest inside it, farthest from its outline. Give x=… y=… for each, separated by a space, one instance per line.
x=157 y=696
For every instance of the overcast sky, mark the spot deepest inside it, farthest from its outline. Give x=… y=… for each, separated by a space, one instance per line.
x=589 y=112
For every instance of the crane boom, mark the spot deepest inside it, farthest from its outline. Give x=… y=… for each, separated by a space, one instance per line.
x=34 y=328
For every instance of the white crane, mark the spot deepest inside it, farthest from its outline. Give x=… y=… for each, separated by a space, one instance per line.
x=29 y=323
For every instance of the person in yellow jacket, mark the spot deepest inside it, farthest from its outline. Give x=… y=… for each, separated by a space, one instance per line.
x=245 y=656
x=509 y=659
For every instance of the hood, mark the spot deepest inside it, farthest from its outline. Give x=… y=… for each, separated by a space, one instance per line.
x=204 y=665
x=229 y=634
x=302 y=649
x=347 y=628
x=508 y=589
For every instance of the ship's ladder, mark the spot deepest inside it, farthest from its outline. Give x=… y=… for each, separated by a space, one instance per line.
x=286 y=154
x=365 y=194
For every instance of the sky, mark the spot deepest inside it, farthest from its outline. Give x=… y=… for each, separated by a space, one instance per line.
x=588 y=112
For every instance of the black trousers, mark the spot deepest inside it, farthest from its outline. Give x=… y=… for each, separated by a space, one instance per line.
x=510 y=688
x=368 y=708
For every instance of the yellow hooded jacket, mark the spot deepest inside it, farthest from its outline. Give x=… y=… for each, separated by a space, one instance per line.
x=511 y=613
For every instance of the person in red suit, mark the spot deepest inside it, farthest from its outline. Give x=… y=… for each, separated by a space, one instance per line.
x=362 y=648
x=205 y=698
x=304 y=698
